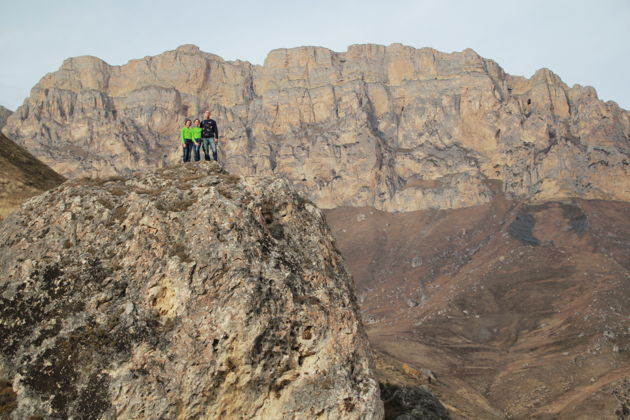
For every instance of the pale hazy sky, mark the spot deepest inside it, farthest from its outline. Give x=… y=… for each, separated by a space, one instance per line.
x=584 y=41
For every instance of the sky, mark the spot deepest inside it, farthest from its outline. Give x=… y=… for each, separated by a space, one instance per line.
x=585 y=42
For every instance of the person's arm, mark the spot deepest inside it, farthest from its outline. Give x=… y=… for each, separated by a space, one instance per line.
x=216 y=132
x=182 y=135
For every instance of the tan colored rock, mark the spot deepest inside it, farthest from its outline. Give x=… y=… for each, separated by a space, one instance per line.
x=182 y=293
x=377 y=126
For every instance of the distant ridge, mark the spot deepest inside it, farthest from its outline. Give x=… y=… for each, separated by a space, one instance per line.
x=391 y=127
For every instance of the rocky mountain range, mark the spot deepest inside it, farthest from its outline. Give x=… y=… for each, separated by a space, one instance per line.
x=395 y=128
x=483 y=216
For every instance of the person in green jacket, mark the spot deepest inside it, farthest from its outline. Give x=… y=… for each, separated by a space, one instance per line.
x=187 y=139
x=196 y=136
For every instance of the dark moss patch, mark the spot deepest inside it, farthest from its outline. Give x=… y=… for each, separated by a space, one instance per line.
x=36 y=313
x=79 y=358
x=47 y=332
x=94 y=399
x=96 y=272
x=51 y=273
x=25 y=310
x=54 y=373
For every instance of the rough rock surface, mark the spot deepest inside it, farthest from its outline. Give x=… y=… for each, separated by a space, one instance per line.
x=183 y=292
x=395 y=128
x=411 y=403
x=4 y=115
x=21 y=176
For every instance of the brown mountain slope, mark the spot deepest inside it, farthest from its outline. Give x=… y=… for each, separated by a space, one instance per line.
x=521 y=310
x=395 y=128
x=403 y=129
x=21 y=176
x=4 y=115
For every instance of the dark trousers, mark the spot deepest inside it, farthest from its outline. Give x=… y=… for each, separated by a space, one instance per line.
x=187 y=146
x=197 y=146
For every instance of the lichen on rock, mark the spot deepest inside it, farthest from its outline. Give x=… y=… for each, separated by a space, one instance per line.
x=182 y=292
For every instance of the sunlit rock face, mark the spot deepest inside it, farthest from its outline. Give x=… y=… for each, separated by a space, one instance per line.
x=182 y=292
x=395 y=128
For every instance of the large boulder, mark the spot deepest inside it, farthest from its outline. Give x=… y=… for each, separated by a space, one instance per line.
x=182 y=292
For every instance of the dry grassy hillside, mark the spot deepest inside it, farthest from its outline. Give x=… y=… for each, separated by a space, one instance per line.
x=21 y=176
x=520 y=309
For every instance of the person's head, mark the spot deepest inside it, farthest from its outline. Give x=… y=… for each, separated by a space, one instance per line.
x=187 y=122
x=197 y=123
x=206 y=115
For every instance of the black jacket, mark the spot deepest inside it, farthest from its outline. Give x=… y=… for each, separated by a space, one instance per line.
x=209 y=129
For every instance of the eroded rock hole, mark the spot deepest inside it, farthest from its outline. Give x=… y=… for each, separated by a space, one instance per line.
x=270 y=213
x=307 y=334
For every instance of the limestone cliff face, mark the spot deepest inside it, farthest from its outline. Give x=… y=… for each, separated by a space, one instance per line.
x=184 y=293
x=394 y=127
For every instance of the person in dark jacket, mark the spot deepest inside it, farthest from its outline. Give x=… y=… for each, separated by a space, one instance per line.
x=209 y=136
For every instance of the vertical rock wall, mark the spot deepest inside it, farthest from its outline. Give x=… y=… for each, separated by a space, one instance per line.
x=395 y=128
